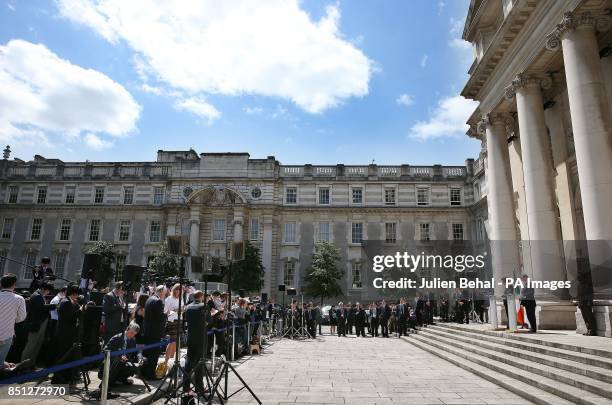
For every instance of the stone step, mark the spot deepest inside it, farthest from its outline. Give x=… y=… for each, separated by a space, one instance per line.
x=535 y=366
x=557 y=391
x=597 y=373
x=533 y=338
x=532 y=394
x=589 y=359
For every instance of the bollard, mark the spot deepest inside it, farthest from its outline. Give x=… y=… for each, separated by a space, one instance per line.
x=105 y=375
x=233 y=340
x=214 y=350
x=248 y=342
x=511 y=312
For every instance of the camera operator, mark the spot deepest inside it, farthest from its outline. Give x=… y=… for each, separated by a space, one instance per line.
x=196 y=314
x=68 y=314
x=36 y=321
x=41 y=273
x=154 y=329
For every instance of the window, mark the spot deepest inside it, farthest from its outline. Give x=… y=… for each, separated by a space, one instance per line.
x=65 y=228
x=36 y=229
x=477 y=191
x=288 y=273
x=94 y=230
x=291 y=195
x=60 y=264
x=155 y=231
x=356 y=232
x=389 y=196
x=424 y=232
x=290 y=232
x=357 y=195
x=324 y=234
x=219 y=229
x=422 y=196
x=324 y=196
x=30 y=261
x=254 y=229
x=457 y=231
x=99 y=195
x=7 y=228
x=356 y=274
x=13 y=194
x=119 y=266
x=480 y=230
x=128 y=195
x=125 y=226
x=70 y=195
x=41 y=197
x=455 y=196
x=158 y=195
x=390 y=232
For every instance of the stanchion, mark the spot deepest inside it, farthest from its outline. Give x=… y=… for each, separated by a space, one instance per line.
x=105 y=376
x=493 y=311
x=233 y=341
x=214 y=350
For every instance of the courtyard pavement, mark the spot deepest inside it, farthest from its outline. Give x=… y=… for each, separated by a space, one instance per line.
x=361 y=371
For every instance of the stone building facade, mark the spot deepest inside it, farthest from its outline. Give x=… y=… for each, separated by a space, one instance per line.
x=56 y=209
x=543 y=76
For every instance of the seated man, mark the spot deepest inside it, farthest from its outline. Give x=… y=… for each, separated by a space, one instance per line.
x=125 y=366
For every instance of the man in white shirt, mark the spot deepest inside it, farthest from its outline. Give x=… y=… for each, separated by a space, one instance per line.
x=12 y=311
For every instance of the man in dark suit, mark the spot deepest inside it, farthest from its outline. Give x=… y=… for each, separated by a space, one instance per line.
x=154 y=329
x=374 y=317
x=384 y=319
x=114 y=312
x=311 y=320
x=41 y=273
x=529 y=302
x=36 y=321
x=341 y=315
x=125 y=366
x=402 y=317
x=361 y=319
x=195 y=314
x=68 y=315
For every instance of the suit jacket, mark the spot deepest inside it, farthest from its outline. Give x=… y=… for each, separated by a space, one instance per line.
x=113 y=311
x=68 y=315
x=154 y=319
x=118 y=341
x=402 y=311
x=38 y=311
x=361 y=317
x=194 y=316
x=341 y=314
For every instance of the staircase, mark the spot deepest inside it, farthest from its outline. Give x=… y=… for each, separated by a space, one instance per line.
x=540 y=371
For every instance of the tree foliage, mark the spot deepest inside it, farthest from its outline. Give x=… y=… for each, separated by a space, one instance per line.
x=248 y=274
x=323 y=276
x=163 y=264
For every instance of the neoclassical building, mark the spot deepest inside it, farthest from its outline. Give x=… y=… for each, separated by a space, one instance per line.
x=53 y=208
x=543 y=76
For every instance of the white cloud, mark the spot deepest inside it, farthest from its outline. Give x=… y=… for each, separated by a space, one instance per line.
x=253 y=110
x=45 y=95
x=271 y=48
x=447 y=120
x=199 y=107
x=441 y=6
x=405 y=99
x=94 y=142
x=424 y=60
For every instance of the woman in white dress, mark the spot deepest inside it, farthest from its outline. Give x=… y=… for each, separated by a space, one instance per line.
x=171 y=306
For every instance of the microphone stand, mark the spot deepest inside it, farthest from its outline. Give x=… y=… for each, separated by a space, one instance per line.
x=54 y=277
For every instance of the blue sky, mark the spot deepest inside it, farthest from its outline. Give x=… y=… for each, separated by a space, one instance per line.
x=306 y=81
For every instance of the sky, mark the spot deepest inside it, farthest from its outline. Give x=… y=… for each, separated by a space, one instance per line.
x=321 y=82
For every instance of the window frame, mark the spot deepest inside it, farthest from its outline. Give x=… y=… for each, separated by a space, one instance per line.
x=427 y=191
x=286 y=195
x=45 y=195
x=125 y=194
x=159 y=230
x=120 y=227
x=392 y=189
x=389 y=240
x=361 y=189
x=99 y=230
x=66 y=194
x=294 y=233
x=95 y=195
x=31 y=229
x=3 y=235
x=215 y=230
x=354 y=225
x=356 y=272
x=60 y=229
x=9 y=194
x=450 y=196
x=320 y=196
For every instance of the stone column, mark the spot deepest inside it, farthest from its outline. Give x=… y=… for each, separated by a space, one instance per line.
x=238 y=222
x=194 y=230
x=542 y=218
x=266 y=254
x=590 y=121
x=503 y=236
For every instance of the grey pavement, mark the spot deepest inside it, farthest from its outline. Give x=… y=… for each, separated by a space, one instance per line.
x=361 y=371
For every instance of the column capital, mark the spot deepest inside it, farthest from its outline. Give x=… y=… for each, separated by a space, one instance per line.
x=571 y=21
x=523 y=80
x=492 y=119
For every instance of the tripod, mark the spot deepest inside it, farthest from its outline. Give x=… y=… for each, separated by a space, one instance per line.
x=225 y=368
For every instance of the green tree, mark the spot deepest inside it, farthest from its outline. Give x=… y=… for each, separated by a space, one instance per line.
x=248 y=274
x=323 y=276
x=163 y=264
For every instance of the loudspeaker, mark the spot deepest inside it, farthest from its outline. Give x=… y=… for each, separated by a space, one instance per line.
x=91 y=261
x=264 y=298
x=132 y=277
x=178 y=245
x=291 y=291
x=241 y=293
x=281 y=287
x=197 y=264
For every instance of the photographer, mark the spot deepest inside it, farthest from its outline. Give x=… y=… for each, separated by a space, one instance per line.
x=36 y=321
x=196 y=314
x=69 y=312
x=41 y=273
x=154 y=329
